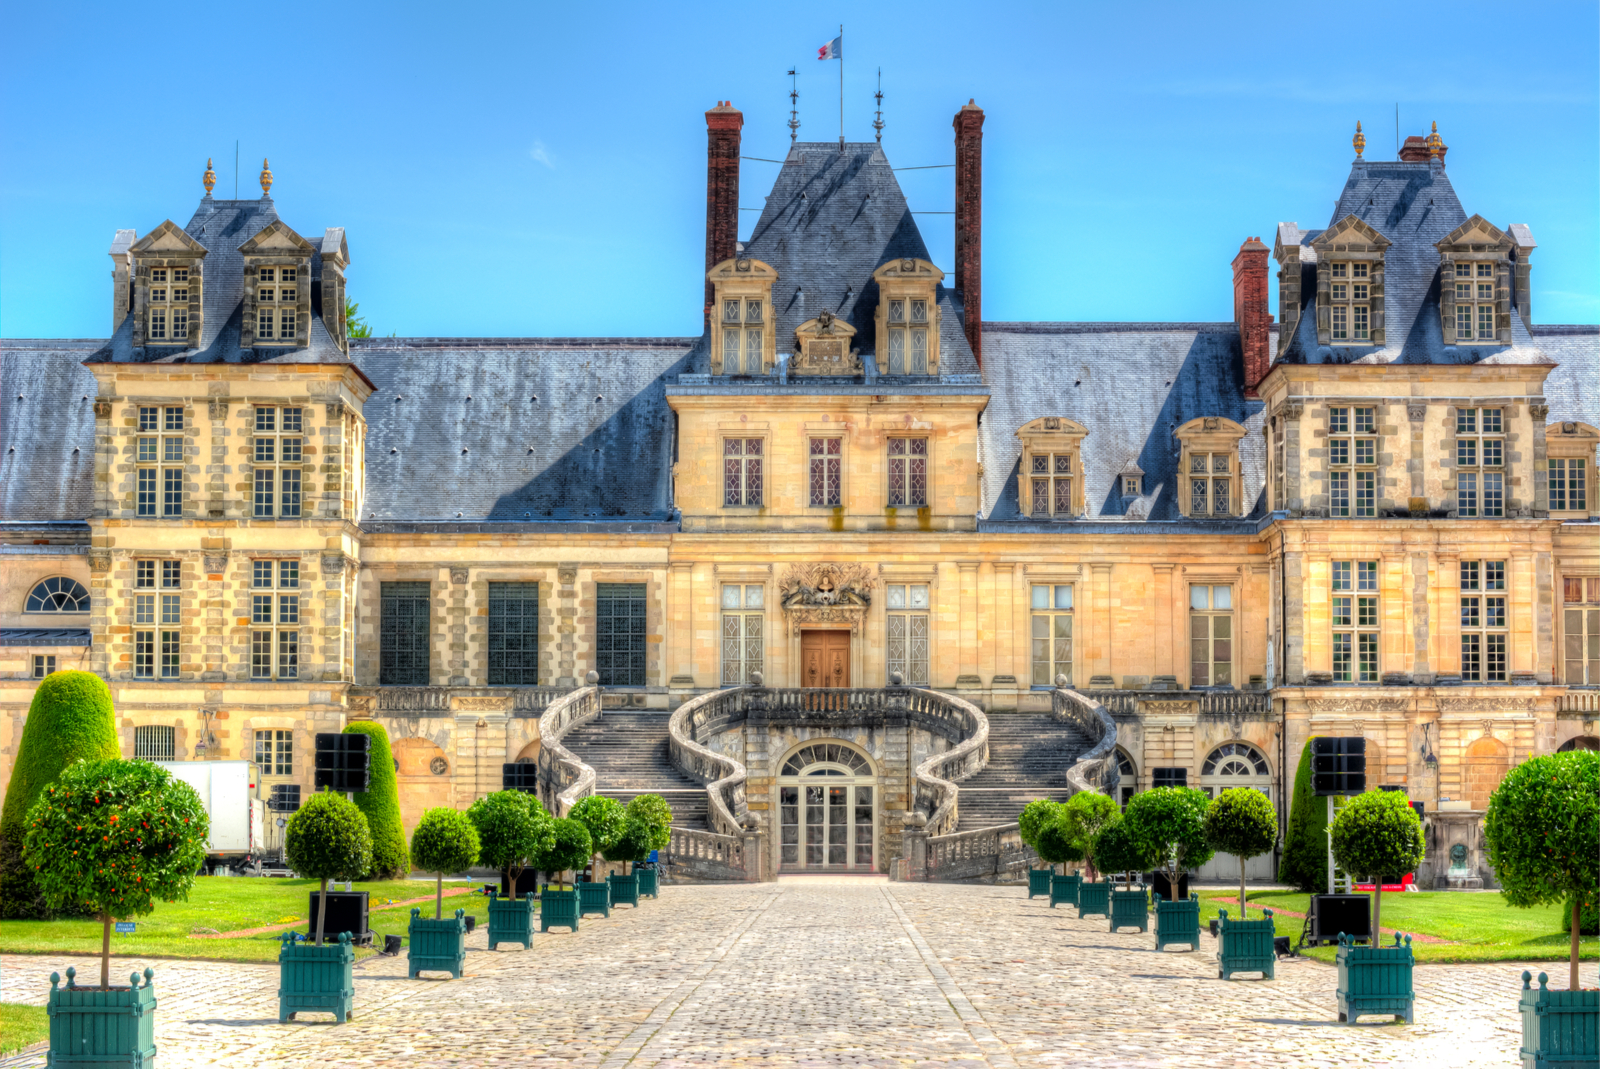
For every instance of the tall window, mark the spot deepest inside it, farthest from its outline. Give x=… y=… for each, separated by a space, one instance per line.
x=1355 y=621
x=908 y=336
x=278 y=450
x=1051 y=477
x=169 y=305
x=275 y=619
x=907 y=637
x=1480 y=462
x=1210 y=636
x=1569 y=484
x=403 y=635
x=1475 y=302
x=157 y=619
x=1278 y=501
x=1352 y=462
x=742 y=349
x=741 y=471
x=619 y=634
x=827 y=471
x=513 y=634
x=277 y=294
x=1350 y=309
x=155 y=742
x=742 y=641
x=159 y=453
x=275 y=752
x=1052 y=634
x=1483 y=621
x=1210 y=477
x=908 y=472
x=1581 y=631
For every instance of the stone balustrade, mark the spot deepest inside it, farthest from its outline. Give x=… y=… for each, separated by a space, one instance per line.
x=563 y=779
x=1125 y=703
x=1096 y=770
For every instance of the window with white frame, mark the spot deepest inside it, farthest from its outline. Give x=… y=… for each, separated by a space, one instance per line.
x=1051 y=631
x=157 y=619
x=159 y=455
x=155 y=742
x=741 y=471
x=1352 y=461
x=1474 y=285
x=277 y=451
x=908 y=336
x=742 y=632
x=1480 y=462
x=275 y=752
x=277 y=298
x=1569 y=484
x=275 y=619
x=1580 y=626
x=742 y=336
x=1356 y=626
x=43 y=664
x=906 y=631
x=1483 y=621
x=1210 y=636
x=908 y=472
x=168 y=318
x=827 y=472
x=1349 y=295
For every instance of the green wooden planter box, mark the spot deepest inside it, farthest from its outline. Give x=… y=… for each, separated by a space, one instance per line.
x=1039 y=882
x=1375 y=979
x=1246 y=946
x=1063 y=889
x=649 y=883
x=558 y=909
x=316 y=979
x=94 y=1029
x=1094 y=899
x=1178 y=922
x=624 y=889
x=438 y=945
x=1560 y=1029
x=594 y=898
x=511 y=920
x=1130 y=908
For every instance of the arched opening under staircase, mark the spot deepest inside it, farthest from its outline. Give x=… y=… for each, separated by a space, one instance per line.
x=827 y=809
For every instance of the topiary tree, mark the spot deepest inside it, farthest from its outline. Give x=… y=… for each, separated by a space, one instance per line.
x=512 y=827
x=1034 y=816
x=70 y=719
x=1086 y=813
x=110 y=838
x=1169 y=823
x=1305 y=845
x=1377 y=835
x=653 y=811
x=381 y=804
x=1056 y=844
x=1543 y=835
x=445 y=841
x=604 y=818
x=1118 y=849
x=633 y=845
x=1241 y=822
x=328 y=839
x=570 y=848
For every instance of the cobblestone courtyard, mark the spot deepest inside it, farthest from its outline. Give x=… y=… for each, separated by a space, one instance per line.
x=815 y=972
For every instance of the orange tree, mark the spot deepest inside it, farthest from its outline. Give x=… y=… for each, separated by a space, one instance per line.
x=111 y=838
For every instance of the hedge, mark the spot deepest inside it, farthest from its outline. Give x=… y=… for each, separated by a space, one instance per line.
x=381 y=804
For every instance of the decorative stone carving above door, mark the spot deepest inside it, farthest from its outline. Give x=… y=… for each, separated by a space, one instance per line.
x=826 y=595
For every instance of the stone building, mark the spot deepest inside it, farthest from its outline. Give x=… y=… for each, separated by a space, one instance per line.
x=1370 y=513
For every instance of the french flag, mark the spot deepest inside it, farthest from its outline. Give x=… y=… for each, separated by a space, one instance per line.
x=834 y=49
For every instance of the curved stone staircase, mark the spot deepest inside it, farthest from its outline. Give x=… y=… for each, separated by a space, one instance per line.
x=1029 y=754
x=628 y=752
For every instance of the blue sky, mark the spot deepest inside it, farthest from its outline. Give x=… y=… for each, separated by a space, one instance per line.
x=531 y=170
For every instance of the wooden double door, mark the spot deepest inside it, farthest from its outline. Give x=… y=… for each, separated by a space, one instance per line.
x=825 y=658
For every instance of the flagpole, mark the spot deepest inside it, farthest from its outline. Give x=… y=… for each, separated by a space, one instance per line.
x=841 y=87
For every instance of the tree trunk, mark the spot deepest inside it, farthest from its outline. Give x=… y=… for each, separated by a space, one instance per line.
x=1243 y=912
x=1377 y=911
x=105 y=953
x=1572 y=959
x=322 y=908
x=438 y=895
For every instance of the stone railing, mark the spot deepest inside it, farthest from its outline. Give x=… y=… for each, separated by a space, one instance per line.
x=704 y=855
x=1096 y=770
x=723 y=776
x=1125 y=703
x=429 y=701
x=997 y=852
x=1579 y=701
x=936 y=778
x=563 y=779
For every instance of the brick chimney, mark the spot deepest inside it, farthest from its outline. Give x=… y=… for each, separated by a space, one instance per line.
x=1250 y=313
x=723 y=124
x=1415 y=150
x=969 y=221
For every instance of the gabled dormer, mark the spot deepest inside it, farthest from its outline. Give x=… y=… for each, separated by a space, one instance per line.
x=167 y=270
x=1050 y=475
x=1350 y=283
x=825 y=345
x=1475 y=284
x=277 y=289
x=742 y=340
x=908 y=317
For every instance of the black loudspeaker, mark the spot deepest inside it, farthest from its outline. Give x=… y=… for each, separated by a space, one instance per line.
x=342 y=761
x=347 y=912
x=526 y=884
x=523 y=776
x=1339 y=765
x=1159 y=884
x=1332 y=914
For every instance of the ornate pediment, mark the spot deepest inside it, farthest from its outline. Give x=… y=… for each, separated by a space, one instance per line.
x=168 y=239
x=826 y=594
x=1475 y=231
x=277 y=239
x=1348 y=232
x=822 y=346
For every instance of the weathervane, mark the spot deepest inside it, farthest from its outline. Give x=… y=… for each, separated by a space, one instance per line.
x=877 y=121
x=794 y=106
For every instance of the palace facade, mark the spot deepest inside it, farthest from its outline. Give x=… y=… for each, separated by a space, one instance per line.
x=1371 y=513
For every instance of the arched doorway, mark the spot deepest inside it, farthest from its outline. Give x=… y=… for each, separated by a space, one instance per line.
x=1581 y=742
x=827 y=810
x=1486 y=764
x=1127 y=778
x=1236 y=764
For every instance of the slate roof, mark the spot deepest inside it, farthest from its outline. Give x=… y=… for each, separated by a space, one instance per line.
x=46 y=430
x=1572 y=390
x=45 y=636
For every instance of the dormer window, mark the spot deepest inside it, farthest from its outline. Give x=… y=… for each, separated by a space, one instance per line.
x=169 y=305
x=1350 y=294
x=908 y=336
x=1050 y=478
x=1130 y=486
x=1349 y=258
x=741 y=317
x=1208 y=450
x=1474 y=290
x=277 y=294
x=743 y=348
x=908 y=317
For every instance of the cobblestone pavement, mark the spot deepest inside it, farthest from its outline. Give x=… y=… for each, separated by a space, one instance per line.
x=853 y=972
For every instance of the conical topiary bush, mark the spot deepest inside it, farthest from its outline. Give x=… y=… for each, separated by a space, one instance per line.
x=391 y=859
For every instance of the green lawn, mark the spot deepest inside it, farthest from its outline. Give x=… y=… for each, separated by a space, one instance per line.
x=226 y=904
x=1479 y=927
x=21 y=1026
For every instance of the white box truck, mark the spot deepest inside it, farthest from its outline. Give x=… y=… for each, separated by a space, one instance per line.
x=229 y=791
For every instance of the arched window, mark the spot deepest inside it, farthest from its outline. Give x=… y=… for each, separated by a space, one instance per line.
x=827 y=810
x=58 y=594
x=1236 y=764
x=1582 y=742
x=1127 y=777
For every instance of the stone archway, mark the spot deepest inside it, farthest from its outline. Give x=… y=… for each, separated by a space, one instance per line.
x=1485 y=765
x=828 y=799
x=1579 y=742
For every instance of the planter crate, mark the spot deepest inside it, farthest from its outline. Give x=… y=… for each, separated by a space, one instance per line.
x=1094 y=899
x=1246 y=946
x=1178 y=922
x=1560 y=1029
x=438 y=945
x=594 y=898
x=1064 y=889
x=624 y=889
x=1375 y=979
x=1039 y=882
x=316 y=979
x=649 y=883
x=1130 y=908
x=93 y=1028
x=558 y=908
x=511 y=920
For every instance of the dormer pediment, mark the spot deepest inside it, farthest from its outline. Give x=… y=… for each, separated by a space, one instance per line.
x=1350 y=234
x=1211 y=428
x=277 y=239
x=1475 y=231
x=1052 y=425
x=168 y=239
x=823 y=346
x=742 y=268
x=908 y=269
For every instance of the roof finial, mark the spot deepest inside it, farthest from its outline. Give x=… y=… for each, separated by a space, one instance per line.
x=211 y=177
x=1436 y=144
x=877 y=121
x=1360 y=140
x=794 y=106
x=266 y=178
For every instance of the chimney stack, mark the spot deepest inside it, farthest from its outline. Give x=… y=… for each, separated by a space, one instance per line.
x=968 y=124
x=723 y=124
x=1250 y=313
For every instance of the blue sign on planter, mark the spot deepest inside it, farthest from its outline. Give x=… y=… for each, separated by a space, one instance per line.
x=124 y=927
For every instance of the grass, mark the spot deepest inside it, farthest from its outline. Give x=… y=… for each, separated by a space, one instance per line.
x=22 y=1026
x=227 y=904
x=1477 y=927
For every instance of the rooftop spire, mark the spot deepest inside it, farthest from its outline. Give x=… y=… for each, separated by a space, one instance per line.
x=210 y=178
x=1360 y=140
x=1436 y=145
x=794 y=106
x=266 y=178
x=877 y=120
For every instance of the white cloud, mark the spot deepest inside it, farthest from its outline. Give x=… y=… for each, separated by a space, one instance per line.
x=542 y=155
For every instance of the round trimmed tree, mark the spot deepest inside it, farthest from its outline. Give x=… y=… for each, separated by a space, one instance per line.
x=1085 y=814
x=512 y=828
x=328 y=839
x=70 y=719
x=653 y=811
x=445 y=841
x=570 y=849
x=1242 y=822
x=1378 y=836
x=1169 y=823
x=111 y=838
x=1056 y=843
x=632 y=846
x=1543 y=835
x=604 y=818
x=381 y=804
x=1034 y=816
x=1118 y=849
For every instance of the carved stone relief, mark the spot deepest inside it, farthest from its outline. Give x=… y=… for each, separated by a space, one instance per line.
x=1359 y=705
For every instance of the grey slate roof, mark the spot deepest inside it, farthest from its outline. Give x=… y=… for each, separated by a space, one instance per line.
x=1572 y=390
x=46 y=430
x=45 y=636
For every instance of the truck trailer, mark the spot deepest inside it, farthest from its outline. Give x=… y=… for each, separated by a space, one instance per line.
x=229 y=790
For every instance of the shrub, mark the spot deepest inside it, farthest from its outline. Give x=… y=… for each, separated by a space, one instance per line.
x=1056 y=844
x=570 y=848
x=1169 y=823
x=381 y=804
x=1118 y=849
x=1378 y=835
x=110 y=838
x=512 y=827
x=653 y=811
x=1543 y=835
x=633 y=845
x=445 y=841
x=70 y=719
x=1034 y=816
x=1241 y=821
x=1085 y=814
x=1305 y=846
x=604 y=819
x=328 y=839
